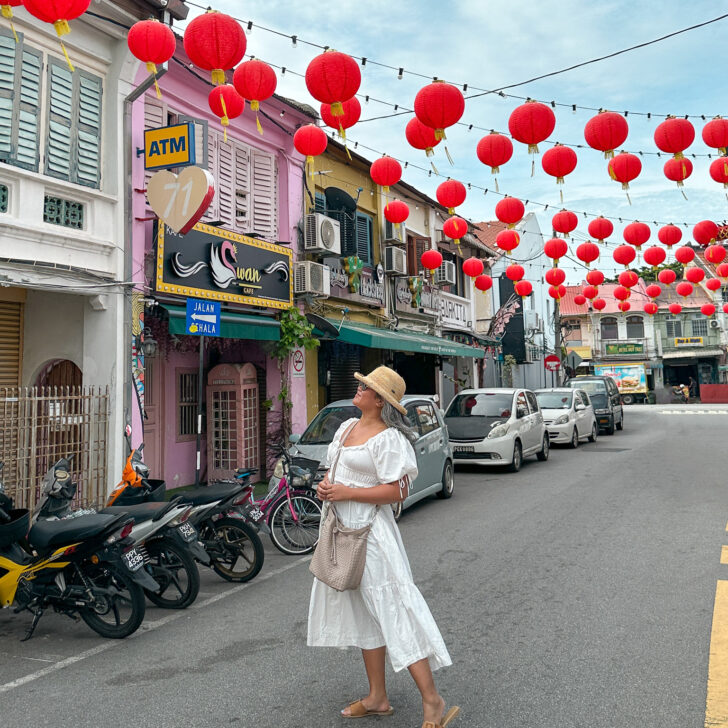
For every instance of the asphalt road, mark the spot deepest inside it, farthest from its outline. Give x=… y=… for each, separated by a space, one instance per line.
x=578 y=592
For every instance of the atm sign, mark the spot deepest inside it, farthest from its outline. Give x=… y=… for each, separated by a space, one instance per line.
x=170 y=146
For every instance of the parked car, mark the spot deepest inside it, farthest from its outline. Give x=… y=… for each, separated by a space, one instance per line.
x=605 y=399
x=432 y=448
x=568 y=415
x=496 y=427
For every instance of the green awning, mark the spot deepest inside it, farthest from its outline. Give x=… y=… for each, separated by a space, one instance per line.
x=232 y=325
x=402 y=340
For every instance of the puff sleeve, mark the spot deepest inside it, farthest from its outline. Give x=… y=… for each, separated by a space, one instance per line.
x=394 y=458
x=336 y=442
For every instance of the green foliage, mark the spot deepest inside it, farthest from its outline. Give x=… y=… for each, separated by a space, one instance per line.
x=509 y=361
x=296 y=331
x=649 y=274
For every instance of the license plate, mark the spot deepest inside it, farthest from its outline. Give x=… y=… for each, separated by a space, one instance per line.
x=188 y=532
x=133 y=560
x=464 y=448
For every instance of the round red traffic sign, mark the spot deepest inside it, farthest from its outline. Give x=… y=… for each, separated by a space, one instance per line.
x=552 y=363
x=298 y=361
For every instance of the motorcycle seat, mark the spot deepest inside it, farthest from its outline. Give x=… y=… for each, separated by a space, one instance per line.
x=139 y=512
x=208 y=493
x=45 y=534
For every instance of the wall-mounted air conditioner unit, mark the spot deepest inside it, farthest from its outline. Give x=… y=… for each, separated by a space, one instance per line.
x=395 y=232
x=714 y=324
x=445 y=274
x=395 y=260
x=312 y=278
x=531 y=320
x=440 y=236
x=322 y=235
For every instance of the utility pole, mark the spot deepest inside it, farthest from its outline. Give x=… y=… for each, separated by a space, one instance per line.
x=557 y=336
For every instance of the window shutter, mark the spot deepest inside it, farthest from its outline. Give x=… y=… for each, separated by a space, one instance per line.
x=201 y=140
x=320 y=203
x=59 y=141
x=242 y=189
x=348 y=230
x=7 y=94
x=88 y=161
x=212 y=166
x=364 y=237
x=155 y=115
x=265 y=189
x=11 y=343
x=225 y=183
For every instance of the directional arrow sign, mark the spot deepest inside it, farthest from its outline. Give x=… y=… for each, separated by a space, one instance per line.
x=203 y=317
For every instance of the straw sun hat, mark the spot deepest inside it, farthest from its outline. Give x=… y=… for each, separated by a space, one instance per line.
x=387 y=384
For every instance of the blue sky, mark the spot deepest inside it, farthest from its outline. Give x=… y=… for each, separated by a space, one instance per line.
x=488 y=44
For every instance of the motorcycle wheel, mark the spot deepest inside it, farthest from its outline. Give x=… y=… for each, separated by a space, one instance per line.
x=300 y=536
x=120 y=604
x=242 y=547
x=174 y=569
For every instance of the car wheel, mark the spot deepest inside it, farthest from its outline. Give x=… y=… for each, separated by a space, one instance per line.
x=627 y=399
x=574 y=439
x=594 y=432
x=515 y=465
x=610 y=427
x=397 y=510
x=545 y=448
x=448 y=482
x=620 y=424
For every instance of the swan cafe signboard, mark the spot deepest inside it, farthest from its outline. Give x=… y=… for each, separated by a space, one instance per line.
x=218 y=265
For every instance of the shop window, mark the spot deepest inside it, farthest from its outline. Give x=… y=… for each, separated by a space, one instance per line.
x=609 y=328
x=674 y=328
x=187 y=382
x=66 y=213
x=699 y=326
x=3 y=198
x=415 y=248
x=635 y=327
x=364 y=237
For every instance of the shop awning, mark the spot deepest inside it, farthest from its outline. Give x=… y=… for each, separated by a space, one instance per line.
x=232 y=325
x=691 y=353
x=402 y=340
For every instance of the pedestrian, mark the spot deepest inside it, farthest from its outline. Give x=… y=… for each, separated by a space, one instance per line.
x=386 y=616
x=693 y=387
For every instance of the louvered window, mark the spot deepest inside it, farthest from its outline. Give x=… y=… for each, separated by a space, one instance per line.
x=347 y=223
x=3 y=198
x=67 y=213
x=415 y=248
x=74 y=125
x=364 y=237
x=320 y=202
x=265 y=196
x=20 y=82
x=11 y=343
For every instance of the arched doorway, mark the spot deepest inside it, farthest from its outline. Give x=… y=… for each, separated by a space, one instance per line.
x=59 y=373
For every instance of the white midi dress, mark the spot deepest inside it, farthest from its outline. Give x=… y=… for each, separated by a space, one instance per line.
x=387 y=609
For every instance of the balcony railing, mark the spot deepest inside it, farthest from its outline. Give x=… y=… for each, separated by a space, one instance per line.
x=625 y=349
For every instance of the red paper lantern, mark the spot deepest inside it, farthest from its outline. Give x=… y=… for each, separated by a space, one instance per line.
x=455 y=228
x=332 y=78
x=600 y=228
x=590 y=292
x=483 y=283
x=653 y=290
x=675 y=308
x=215 y=42
x=715 y=134
x=587 y=252
x=595 y=277
x=57 y=13
x=678 y=170
x=256 y=81
x=515 y=272
x=624 y=255
x=555 y=276
x=558 y=162
x=531 y=123
x=628 y=278
x=624 y=306
x=722 y=270
x=523 y=288
x=451 y=194
x=684 y=255
x=6 y=8
x=431 y=259
x=624 y=168
x=637 y=234
x=650 y=308
x=725 y=308
x=669 y=235
x=694 y=275
x=507 y=240
x=420 y=136
x=510 y=210
x=606 y=131
x=599 y=304
x=396 y=211
x=439 y=105
x=674 y=136
x=667 y=276
x=579 y=299
x=310 y=141
x=153 y=43
x=707 y=309
x=705 y=232
x=713 y=284
x=555 y=248
x=621 y=293
x=715 y=254
x=351 y=115
x=654 y=256
x=494 y=150
x=564 y=222
x=226 y=103
x=386 y=172
x=684 y=289
x=719 y=170
x=473 y=267
x=557 y=292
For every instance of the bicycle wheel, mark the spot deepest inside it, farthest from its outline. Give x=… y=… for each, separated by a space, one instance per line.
x=238 y=553
x=294 y=528
x=174 y=569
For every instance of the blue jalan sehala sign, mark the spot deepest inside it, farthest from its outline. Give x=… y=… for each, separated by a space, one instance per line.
x=203 y=317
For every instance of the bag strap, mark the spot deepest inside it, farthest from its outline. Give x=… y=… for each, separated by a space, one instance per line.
x=332 y=469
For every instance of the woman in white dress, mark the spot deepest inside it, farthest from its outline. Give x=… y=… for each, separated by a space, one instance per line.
x=387 y=614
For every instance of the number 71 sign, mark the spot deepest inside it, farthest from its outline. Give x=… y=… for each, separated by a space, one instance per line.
x=180 y=201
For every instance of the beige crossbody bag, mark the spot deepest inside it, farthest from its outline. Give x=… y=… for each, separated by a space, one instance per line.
x=341 y=552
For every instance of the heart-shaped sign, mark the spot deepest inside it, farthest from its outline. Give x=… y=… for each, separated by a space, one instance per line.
x=180 y=201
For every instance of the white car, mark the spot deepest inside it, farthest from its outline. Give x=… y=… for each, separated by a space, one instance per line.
x=496 y=427
x=568 y=415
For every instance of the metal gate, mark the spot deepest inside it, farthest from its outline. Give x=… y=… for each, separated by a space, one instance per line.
x=40 y=425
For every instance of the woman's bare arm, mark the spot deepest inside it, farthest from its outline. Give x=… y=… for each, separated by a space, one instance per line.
x=377 y=495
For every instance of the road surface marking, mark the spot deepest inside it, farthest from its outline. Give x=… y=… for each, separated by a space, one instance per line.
x=724 y=554
x=145 y=628
x=716 y=705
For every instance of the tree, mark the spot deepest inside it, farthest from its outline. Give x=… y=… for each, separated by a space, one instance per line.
x=649 y=274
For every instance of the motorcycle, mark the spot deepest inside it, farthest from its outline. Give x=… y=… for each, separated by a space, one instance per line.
x=83 y=567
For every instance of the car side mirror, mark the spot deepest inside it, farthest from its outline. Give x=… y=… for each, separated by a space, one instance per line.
x=580 y=407
x=293 y=439
x=521 y=411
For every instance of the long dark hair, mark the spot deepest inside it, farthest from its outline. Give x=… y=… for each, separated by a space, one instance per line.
x=392 y=417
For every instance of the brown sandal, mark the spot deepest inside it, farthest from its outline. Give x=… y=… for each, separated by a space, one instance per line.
x=449 y=716
x=359 y=710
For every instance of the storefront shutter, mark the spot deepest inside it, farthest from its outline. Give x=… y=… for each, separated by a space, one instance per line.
x=344 y=360
x=11 y=342
x=265 y=189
